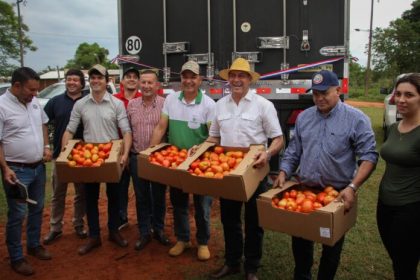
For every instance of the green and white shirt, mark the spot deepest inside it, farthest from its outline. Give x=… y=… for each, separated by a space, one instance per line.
x=188 y=123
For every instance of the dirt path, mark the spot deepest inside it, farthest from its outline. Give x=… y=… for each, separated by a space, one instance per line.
x=365 y=104
x=111 y=262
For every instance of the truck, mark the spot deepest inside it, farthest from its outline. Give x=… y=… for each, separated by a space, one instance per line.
x=286 y=41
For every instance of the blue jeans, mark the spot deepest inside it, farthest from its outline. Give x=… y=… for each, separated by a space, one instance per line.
x=235 y=245
x=202 y=206
x=92 y=213
x=34 y=179
x=124 y=185
x=150 y=201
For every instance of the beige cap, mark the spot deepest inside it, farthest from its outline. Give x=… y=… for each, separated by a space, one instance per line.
x=98 y=68
x=239 y=64
x=192 y=66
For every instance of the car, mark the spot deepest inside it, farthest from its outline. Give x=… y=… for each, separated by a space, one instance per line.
x=58 y=88
x=4 y=87
x=391 y=114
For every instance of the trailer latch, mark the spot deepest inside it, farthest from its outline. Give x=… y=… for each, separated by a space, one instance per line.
x=281 y=42
x=176 y=47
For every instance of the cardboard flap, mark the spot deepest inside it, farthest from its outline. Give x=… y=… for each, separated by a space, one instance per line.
x=248 y=160
x=114 y=155
x=152 y=149
x=287 y=185
x=333 y=207
x=191 y=158
x=67 y=150
x=268 y=195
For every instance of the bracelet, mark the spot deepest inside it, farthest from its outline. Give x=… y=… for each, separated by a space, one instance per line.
x=268 y=154
x=353 y=187
x=47 y=146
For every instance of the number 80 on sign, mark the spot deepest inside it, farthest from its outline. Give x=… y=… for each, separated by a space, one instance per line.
x=133 y=45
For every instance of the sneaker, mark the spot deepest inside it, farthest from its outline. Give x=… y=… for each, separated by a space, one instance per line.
x=203 y=253
x=22 y=267
x=179 y=248
x=40 y=253
x=52 y=236
x=124 y=224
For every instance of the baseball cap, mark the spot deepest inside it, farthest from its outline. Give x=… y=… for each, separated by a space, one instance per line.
x=192 y=66
x=98 y=68
x=133 y=70
x=323 y=80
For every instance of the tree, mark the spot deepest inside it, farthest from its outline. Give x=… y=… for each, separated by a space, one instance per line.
x=88 y=55
x=396 y=48
x=9 y=38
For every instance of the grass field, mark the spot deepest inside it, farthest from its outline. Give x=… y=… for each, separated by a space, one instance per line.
x=363 y=257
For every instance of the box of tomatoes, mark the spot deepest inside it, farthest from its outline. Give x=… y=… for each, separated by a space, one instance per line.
x=161 y=163
x=309 y=213
x=82 y=162
x=225 y=172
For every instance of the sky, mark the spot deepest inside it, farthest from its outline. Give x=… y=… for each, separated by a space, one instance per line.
x=58 y=27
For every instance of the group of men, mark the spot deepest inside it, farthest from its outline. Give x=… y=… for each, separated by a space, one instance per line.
x=333 y=145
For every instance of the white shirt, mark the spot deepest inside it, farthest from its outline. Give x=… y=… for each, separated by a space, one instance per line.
x=252 y=121
x=21 y=131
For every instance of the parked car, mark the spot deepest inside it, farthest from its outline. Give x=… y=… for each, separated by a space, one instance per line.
x=4 y=87
x=59 y=88
x=391 y=114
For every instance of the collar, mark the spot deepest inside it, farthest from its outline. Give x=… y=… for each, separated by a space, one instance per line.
x=68 y=96
x=106 y=97
x=197 y=99
x=154 y=102
x=12 y=97
x=249 y=96
x=334 y=111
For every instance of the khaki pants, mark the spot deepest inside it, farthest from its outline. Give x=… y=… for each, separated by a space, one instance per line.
x=58 y=203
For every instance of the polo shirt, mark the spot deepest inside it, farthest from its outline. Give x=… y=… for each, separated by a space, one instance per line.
x=100 y=120
x=58 y=110
x=188 y=122
x=252 y=121
x=21 y=131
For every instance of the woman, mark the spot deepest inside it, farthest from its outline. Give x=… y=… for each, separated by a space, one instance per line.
x=398 y=210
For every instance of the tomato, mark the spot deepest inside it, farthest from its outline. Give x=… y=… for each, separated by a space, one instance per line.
x=307 y=206
x=218 y=150
x=293 y=193
x=72 y=163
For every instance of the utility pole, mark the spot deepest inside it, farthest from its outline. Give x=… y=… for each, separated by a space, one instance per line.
x=20 y=32
x=369 y=51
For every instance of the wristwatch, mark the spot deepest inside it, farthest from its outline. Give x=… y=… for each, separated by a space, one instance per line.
x=268 y=154
x=353 y=187
x=47 y=146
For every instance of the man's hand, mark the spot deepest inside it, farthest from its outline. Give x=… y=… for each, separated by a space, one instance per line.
x=124 y=161
x=347 y=196
x=280 y=180
x=261 y=159
x=9 y=175
x=47 y=155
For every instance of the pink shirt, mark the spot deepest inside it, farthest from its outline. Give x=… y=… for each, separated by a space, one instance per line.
x=143 y=119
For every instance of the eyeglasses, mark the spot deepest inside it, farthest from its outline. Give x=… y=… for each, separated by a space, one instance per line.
x=150 y=70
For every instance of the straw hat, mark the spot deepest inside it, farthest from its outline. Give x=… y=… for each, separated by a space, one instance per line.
x=239 y=64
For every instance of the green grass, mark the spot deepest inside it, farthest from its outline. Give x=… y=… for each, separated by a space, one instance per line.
x=358 y=93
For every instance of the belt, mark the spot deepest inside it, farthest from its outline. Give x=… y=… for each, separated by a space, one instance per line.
x=27 y=165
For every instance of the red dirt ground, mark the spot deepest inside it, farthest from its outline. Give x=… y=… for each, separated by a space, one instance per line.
x=111 y=262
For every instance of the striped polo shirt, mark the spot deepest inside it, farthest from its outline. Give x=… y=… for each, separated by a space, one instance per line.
x=188 y=123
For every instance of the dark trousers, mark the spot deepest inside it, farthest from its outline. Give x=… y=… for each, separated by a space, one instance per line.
x=399 y=227
x=230 y=211
x=92 y=213
x=303 y=252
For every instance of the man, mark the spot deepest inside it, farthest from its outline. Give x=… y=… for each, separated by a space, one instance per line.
x=58 y=110
x=188 y=115
x=144 y=114
x=244 y=118
x=328 y=138
x=102 y=115
x=24 y=148
x=130 y=83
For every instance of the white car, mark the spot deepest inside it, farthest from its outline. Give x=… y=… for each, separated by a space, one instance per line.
x=4 y=87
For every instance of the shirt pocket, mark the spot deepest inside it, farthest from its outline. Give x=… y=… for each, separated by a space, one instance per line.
x=337 y=142
x=225 y=122
x=249 y=122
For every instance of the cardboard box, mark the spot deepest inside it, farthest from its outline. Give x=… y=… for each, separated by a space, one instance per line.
x=239 y=185
x=156 y=173
x=325 y=225
x=109 y=172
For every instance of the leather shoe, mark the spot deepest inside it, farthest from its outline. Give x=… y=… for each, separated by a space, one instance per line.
x=144 y=240
x=161 y=237
x=40 y=253
x=22 y=267
x=251 y=276
x=80 y=232
x=225 y=271
x=90 y=245
x=51 y=236
x=116 y=237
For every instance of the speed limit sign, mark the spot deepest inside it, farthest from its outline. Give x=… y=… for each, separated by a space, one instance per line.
x=133 y=45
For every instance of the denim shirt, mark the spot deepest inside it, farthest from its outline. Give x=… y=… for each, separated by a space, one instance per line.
x=326 y=147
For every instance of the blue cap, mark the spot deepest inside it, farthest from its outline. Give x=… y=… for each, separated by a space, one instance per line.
x=323 y=80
